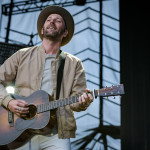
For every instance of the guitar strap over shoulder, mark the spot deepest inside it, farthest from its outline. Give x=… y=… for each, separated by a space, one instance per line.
x=62 y=58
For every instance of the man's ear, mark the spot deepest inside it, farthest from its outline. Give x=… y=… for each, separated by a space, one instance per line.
x=65 y=33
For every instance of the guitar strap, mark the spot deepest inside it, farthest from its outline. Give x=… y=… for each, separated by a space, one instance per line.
x=62 y=58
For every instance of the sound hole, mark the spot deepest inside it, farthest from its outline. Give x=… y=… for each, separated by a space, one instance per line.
x=32 y=112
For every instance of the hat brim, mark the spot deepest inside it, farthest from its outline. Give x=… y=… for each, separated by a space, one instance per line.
x=64 y=14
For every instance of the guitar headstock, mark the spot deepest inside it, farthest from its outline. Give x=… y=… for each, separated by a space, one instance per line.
x=110 y=91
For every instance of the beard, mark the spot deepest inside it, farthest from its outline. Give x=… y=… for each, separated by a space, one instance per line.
x=53 y=35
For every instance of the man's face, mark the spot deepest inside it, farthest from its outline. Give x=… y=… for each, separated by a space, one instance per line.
x=54 y=28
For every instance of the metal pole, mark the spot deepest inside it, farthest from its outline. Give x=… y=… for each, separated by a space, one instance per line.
x=9 y=22
x=101 y=73
x=101 y=63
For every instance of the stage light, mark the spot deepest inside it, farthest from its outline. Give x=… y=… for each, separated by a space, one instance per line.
x=80 y=2
x=10 y=89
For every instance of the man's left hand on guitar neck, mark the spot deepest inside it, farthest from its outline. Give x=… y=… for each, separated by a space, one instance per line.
x=85 y=99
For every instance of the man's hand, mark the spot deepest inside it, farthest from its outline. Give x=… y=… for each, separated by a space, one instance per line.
x=85 y=99
x=19 y=107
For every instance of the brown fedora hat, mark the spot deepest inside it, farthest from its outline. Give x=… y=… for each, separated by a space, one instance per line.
x=64 y=14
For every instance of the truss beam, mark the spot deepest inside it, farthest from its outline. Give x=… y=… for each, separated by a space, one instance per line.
x=36 y=5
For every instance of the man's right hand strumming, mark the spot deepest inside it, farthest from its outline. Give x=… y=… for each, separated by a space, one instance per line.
x=19 y=107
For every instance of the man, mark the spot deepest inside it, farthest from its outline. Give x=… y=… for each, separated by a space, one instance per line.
x=36 y=68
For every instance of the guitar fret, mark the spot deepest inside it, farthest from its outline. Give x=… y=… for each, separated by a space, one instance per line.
x=61 y=103
x=41 y=108
x=50 y=105
x=56 y=104
x=53 y=104
x=47 y=107
x=75 y=99
x=44 y=107
x=64 y=102
x=38 y=108
x=68 y=101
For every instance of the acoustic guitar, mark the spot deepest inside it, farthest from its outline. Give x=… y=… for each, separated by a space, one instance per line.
x=15 y=131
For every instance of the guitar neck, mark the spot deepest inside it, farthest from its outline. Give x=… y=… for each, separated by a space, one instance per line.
x=104 y=92
x=57 y=103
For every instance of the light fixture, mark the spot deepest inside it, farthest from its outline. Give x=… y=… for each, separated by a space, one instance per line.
x=80 y=2
x=10 y=89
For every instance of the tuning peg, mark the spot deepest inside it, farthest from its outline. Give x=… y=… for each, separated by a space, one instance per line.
x=112 y=87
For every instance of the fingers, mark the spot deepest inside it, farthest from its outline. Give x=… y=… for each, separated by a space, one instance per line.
x=88 y=90
x=21 y=115
x=22 y=106
x=85 y=99
x=22 y=103
x=19 y=107
x=90 y=97
x=22 y=110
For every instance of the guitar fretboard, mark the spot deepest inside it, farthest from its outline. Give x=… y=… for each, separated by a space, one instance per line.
x=104 y=92
x=57 y=103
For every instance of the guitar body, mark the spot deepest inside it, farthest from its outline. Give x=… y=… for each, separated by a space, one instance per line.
x=24 y=129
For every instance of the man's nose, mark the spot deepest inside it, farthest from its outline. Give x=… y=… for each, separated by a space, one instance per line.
x=52 y=21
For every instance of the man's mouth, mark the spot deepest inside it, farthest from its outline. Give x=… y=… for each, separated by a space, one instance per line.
x=51 y=28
